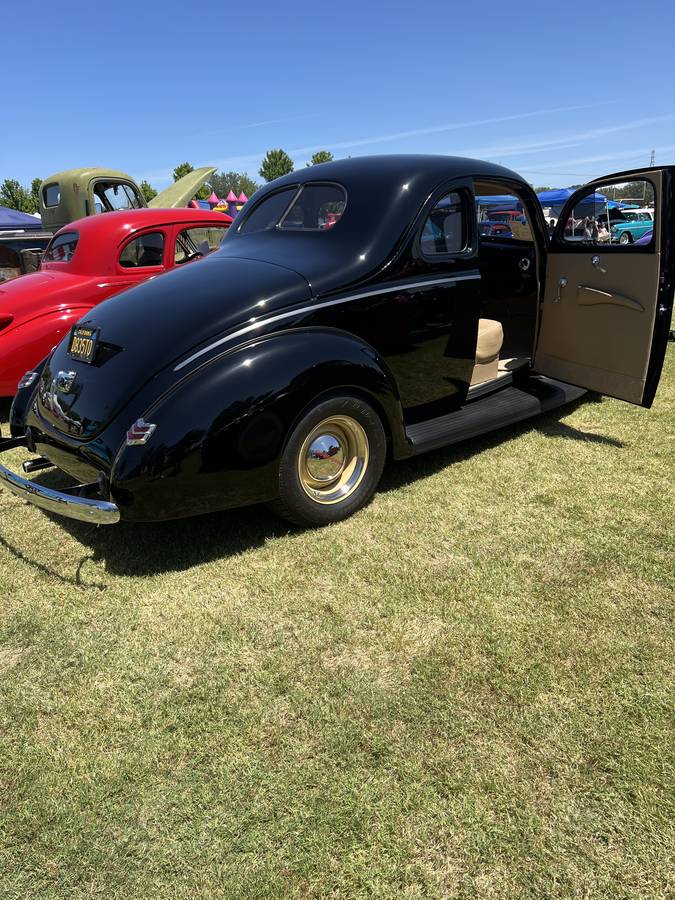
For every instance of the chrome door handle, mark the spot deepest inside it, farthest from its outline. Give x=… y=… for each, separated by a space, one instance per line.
x=561 y=284
x=595 y=261
x=524 y=264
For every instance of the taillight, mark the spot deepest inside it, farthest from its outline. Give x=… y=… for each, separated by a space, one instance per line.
x=5 y=320
x=139 y=433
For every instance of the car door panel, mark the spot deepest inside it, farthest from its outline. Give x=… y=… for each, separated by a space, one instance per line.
x=595 y=331
x=601 y=315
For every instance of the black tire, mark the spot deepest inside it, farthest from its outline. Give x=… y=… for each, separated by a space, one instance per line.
x=626 y=238
x=296 y=501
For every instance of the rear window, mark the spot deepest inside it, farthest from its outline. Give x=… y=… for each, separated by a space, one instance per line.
x=51 y=195
x=268 y=212
x=62 y=247
x=317 y=208
x=312 y=207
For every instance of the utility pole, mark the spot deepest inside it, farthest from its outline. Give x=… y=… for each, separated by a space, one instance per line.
x=644 y=189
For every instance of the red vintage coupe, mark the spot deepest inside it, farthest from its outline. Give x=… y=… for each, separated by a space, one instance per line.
x=88 y=261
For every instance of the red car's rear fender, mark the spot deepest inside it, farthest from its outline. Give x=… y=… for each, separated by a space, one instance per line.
x=23 y=346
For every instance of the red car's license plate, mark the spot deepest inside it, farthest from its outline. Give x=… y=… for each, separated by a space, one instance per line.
x=83 y=343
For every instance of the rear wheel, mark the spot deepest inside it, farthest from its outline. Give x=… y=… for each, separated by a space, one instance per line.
x=332 y=462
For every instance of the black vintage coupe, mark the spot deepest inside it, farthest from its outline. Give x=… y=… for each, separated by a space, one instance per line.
x=353 y=311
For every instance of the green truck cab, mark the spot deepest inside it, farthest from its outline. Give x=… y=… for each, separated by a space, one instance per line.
x=74 y=193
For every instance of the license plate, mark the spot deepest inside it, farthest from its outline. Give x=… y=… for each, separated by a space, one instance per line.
x=83 y=343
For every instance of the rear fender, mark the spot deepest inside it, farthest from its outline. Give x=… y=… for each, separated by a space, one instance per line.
x=22 y=400
x=26 y=343
x=220 y=430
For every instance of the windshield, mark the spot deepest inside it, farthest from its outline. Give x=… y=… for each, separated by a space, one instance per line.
x=110 y=196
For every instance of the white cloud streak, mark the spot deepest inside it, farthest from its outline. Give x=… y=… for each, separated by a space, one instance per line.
x=525 y=147
x=249 y=158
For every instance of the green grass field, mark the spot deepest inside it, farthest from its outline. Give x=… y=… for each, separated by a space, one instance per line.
x=464 y=691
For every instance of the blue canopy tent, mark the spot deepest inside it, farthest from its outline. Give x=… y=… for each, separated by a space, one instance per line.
x=489 y=206
x=13 y=220
x=559 y=197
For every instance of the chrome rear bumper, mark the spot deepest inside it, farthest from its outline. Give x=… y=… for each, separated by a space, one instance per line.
x=71 y=503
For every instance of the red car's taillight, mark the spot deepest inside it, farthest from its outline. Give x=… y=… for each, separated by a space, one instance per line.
x=5 y=320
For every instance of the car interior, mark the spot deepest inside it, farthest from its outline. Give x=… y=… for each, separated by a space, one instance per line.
x=508 y=263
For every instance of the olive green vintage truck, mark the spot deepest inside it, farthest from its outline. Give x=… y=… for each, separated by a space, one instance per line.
x=75 y=193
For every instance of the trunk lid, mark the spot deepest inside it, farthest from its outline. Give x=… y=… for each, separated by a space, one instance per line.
x=145 y=330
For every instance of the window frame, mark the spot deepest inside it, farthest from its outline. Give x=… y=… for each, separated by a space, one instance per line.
x=111 y=183
x=61 y=262
x=469 y=230
x=47 y=187
x=298 y=189
x=560 y=245
x=182 y=227
x=280 y=224
x=293 y=189
x=137 y=236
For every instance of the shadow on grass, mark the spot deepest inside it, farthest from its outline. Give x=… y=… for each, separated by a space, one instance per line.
x=149 y=549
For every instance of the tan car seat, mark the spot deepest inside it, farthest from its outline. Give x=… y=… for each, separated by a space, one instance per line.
x=490 y=340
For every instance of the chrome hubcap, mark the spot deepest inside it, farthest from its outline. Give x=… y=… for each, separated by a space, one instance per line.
x=333 y=459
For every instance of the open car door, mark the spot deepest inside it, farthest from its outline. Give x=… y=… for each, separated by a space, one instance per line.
x=183 y=190
x=608 y=296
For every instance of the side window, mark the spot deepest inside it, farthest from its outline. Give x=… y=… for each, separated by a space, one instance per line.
x=194 y=242
x=146 y=250
x=501 y=216
x=268 y=211
x=445 y=229
x=605 y=216
x=318 y=208
x=51 y=195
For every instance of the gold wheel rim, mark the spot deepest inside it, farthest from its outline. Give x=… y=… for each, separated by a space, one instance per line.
x=333 y=459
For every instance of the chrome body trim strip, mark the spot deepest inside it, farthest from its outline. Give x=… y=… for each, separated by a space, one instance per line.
x=98 y=512
x=474 y=276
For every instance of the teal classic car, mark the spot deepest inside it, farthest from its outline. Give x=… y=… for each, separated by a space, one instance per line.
x=634 y=224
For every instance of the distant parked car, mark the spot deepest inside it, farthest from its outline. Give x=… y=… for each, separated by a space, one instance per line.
x=88 y=261
x=494 y=229
x=635 y=224
x=645 y=239
x=506 y=215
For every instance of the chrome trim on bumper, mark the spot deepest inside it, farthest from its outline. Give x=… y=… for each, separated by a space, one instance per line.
x=98 y=512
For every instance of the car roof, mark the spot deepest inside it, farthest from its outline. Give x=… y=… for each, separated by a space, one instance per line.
x=384 y=195
x=100 y=235
x=123 y=221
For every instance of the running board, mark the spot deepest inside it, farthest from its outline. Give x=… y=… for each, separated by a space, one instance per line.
x=537 y=395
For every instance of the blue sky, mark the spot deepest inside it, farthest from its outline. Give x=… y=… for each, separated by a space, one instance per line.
x=560 y=92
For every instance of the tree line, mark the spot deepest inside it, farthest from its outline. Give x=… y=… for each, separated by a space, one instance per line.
x=275 y=164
